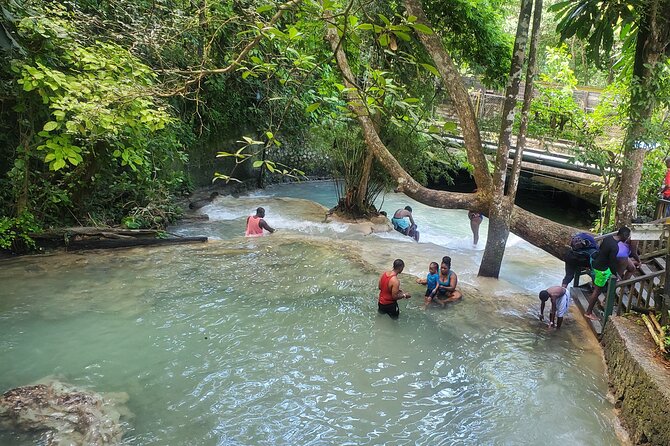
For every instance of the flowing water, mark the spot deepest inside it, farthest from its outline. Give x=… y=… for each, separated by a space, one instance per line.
x=276 y=340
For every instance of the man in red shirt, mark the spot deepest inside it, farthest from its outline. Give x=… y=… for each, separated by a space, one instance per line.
x=256 y=224
x=390 y=292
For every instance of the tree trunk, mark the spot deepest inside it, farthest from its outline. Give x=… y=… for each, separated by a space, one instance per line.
x=501 y=206
x=545 y=234
x=453 y=83
x=362 y=190
x=531 y=71
x=653 y=38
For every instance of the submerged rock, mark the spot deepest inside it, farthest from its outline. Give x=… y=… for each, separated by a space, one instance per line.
x=66 y=415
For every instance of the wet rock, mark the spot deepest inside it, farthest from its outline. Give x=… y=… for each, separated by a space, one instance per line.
x=65 y=414
x=197 y=204
x=639 y=380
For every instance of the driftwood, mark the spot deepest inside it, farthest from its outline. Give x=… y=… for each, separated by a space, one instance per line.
x=76 y=245
x=82 y=238
x=652 y=330
x=89 y=231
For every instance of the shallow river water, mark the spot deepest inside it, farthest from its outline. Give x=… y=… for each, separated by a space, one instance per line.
x=276 y=340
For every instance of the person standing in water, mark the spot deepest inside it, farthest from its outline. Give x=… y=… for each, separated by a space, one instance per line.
x=403 y=222
x=256 y=224
x=390 y=292
x=560 y=302
x=604 y=265
x=476 y=219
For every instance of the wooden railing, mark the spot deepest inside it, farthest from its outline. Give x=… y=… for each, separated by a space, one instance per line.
x=646 y=292
x=639 y=294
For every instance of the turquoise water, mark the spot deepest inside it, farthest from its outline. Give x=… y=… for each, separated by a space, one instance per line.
x=276 y=340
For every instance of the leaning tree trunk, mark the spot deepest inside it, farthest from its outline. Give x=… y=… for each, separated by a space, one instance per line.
x=501 y=206
x=453 y=83
x=653 y=39
x=545 y=234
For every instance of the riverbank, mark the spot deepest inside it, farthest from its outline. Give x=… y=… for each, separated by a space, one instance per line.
x=639 y=381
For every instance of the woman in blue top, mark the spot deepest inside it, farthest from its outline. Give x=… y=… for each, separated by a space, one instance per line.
x=445 y=290
x=430 y=281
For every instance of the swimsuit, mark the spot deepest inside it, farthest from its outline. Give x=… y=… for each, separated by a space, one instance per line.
x=441 y=291
x=400 y=224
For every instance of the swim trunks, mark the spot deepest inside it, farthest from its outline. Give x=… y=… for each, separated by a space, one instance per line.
x=391 y=309
x=601 y=277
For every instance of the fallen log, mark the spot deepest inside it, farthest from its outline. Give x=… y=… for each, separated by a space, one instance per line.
x=80 y=245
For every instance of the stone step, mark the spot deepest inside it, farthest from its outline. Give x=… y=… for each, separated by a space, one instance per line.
x=581 y=297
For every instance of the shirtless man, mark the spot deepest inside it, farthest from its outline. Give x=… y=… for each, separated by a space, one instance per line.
x=256 y=224
x=390 y=292
x=404 y=226
x=560 y=302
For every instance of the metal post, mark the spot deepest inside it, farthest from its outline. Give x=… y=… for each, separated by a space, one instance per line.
x=609 y=300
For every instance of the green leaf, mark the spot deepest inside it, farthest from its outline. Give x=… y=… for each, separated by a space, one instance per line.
x=411 y=19
x=310 y=108
x=51 y=125
x=422 y=28
x=402 y=35
x=384 y=39
x=450 y=126
x=270 y=135
x=431 y=68
x=264 y=8
x=258 y=163
x=384 y=19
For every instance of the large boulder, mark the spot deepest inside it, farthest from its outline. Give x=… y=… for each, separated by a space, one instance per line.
x=66 y=415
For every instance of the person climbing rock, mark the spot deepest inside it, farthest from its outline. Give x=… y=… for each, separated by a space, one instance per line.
x=403 y=222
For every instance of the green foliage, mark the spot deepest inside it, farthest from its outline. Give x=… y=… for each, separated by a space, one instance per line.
x=15 y=232
x=475 y=36
x=554 y=111
x=92 y=140
x=91 y=94
x=598 y=23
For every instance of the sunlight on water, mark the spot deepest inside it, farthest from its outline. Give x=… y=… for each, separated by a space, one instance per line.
x=276 y=340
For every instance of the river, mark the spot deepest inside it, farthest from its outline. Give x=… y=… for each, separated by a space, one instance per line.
x=276 y=340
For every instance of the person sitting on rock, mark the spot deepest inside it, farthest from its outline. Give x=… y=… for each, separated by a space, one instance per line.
x=256 y=224
x=403 y=222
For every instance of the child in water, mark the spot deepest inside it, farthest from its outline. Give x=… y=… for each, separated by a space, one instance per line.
x=430 y=281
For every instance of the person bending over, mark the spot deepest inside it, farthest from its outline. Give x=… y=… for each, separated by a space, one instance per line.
x=582 y=247
x=604 y=265
x=560 y=302
x=390 y=292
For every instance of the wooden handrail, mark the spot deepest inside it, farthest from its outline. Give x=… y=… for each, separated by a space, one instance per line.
x=640 y=279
